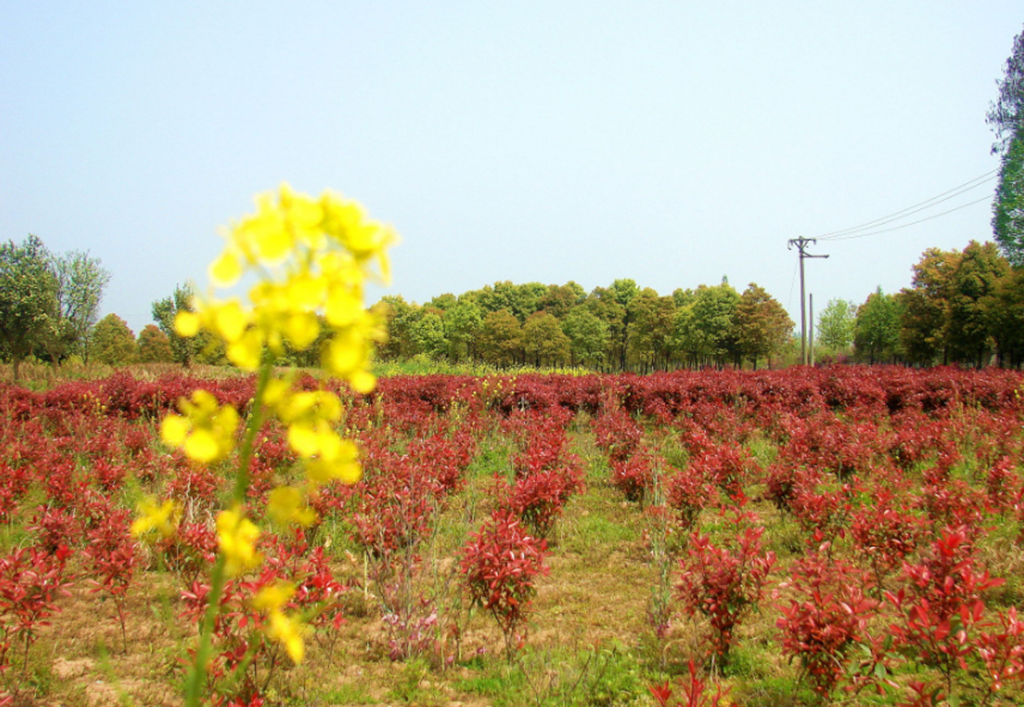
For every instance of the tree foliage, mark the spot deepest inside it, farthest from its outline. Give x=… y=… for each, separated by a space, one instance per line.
x=974 y=285
x=924 y=329
x=154 y=346
x=705 y=328
x=113 y=343
x=462 y=324
x=501 y=338
x=429 y=336
x=762 y=325
x=1006 y=115
x=876 y=333
x=27 y=298
x=164 y=312
x=835 y=326
x=1008 y=205
x=1006 y=118
x=544 y=341
x=650 y=318
x=79 y=281
x=588 y=336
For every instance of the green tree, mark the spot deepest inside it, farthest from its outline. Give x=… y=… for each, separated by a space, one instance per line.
x=1006 y=318
x=588 y=336
x=876 y=333
x=763 y=326
x=501 y=338
x=650 y=323
x=835 y=326
x=428 y=333
x=1006 y=118
x=462 y=324
x=973 y=297
x=603 y=303
x=544 y=341
x=164 y=311
x=397 y=317
x=79 y=281
x=924 y=326
x=154 y=346
x=560 y=299
x=705 y=329
x=27 y=298
x=1008 y=205
x=1006 y=115
x=443 y=302
x=113 y=343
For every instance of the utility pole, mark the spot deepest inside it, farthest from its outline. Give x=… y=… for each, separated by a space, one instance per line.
x=810 y=328
x=801 y=244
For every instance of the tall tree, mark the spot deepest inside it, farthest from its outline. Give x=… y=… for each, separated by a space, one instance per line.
x=154 y=346
x=763 y=326
x=1006 y=118
x=79 y=281
x=924 y=327
x=876 y=334
x=164 y=312
x=544 y=341
x=1008 y=205
x=705 y=329
x=462 y=324
x=397 y=317
x=650 y=318
x=974 y=285
x=113 y=343
x=27 y=298
x=1006 y=319
x=428 y=333
x=835 y=326
x=560 y=299
x=588 y=336
x=501 y=338
x=1006 y=115
x=602 y=303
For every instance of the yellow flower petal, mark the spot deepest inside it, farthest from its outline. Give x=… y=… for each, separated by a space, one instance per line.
x=186 y=324
x=164 y=518
x=286 y=505
x=273 y=597
x=202 y=446
x=236 y=539
x=174 y=429
x=288 y=631
x=303 y=439
x=231 y=321
x=225 y=270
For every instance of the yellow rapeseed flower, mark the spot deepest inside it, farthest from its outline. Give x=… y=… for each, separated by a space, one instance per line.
x=206 y=431
x=236 y=538
x=163 y=518
x=287 y=505
x=273 y=597
x=289 y=631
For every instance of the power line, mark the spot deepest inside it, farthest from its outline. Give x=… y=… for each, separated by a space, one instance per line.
x=907 y=225
x=842 y=234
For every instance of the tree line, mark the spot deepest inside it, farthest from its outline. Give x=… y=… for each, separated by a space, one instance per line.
x=964 y=308
x=619 y=327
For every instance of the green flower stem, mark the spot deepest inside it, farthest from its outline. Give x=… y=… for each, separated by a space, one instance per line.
x=196 y=679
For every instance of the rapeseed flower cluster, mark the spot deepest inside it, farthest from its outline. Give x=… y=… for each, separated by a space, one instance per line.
x=312 y=258
x=284 y=628
x=309 y=259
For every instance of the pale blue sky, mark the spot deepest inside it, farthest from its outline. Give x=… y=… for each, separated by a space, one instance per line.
x=668 y=142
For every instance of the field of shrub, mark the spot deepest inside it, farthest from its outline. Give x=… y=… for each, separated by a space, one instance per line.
x=808 y=536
